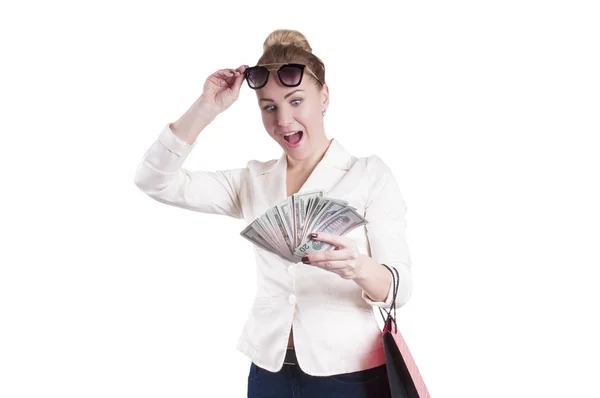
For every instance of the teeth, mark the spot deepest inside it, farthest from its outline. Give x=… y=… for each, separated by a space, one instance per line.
x=288 y=134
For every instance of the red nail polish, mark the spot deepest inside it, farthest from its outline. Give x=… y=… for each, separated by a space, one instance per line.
x=313 y=235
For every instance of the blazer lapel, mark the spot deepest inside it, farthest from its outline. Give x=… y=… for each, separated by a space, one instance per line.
x=271 y=178
x=330 y=170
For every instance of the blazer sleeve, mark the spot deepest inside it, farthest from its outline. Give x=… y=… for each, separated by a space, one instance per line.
x=161 y=176
x=385 y=211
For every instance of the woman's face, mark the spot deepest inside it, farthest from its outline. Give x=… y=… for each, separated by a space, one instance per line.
x=297 y=110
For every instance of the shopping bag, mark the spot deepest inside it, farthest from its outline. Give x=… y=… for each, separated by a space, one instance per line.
x=404 y=377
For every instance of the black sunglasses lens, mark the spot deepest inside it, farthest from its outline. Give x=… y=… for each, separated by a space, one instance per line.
x=257 y=76
x=290 y=75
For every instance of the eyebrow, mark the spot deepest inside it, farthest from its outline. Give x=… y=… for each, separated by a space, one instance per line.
x=287 y=95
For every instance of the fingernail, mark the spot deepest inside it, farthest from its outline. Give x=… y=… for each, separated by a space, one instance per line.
x=305 y=260
x=313 y=235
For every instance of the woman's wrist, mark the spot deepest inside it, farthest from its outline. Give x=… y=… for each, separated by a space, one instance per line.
x=194 y=120
x=373 y=278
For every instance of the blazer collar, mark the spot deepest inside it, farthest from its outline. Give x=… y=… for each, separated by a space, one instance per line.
x=335 y=156
x=271 y=185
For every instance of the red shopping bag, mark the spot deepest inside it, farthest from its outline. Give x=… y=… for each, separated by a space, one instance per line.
x=404 y=377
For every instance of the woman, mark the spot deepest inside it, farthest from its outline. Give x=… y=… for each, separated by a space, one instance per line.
x=311 y=331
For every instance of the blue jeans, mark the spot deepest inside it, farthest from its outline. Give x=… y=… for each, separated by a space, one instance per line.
x=292 y=382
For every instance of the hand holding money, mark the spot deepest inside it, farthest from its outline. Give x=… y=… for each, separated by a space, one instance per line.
x=345 y=260
x=285 y=229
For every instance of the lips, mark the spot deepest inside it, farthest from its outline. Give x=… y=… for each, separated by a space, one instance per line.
x=289 y=137
x=293 y=137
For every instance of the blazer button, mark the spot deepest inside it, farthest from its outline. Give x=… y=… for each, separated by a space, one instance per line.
x=292 y=299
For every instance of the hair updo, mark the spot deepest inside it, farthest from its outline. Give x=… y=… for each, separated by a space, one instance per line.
x=290 y=46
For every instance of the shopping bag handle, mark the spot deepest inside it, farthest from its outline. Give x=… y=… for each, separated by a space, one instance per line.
x=390 y=319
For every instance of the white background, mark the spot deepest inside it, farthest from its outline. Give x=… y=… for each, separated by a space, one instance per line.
x=487 y=112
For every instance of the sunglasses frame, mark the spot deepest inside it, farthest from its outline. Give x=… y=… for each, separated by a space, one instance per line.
x=302 y=67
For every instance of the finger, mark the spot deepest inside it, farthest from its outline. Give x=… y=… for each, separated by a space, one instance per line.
x=334 y=265
x=238 y=82
x=230 y=76
x=330 y=255
x=337 y=240
x=221 y=78
x=239 y=71
x=225 y=73
x=238 y=75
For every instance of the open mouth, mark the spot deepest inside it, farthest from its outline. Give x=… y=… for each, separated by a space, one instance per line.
x=294 y=138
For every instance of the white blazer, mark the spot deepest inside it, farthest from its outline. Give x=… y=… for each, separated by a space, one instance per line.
x=335 y=330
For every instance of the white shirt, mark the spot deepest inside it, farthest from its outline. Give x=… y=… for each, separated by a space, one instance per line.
x=333 y=320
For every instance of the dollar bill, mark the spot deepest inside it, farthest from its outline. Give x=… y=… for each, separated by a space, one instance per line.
x=285 y=228
x=253 y=236
x=286 y=211
x=280 y=231
x=300 y=202
x=340 y=224
x=256 y=237
x=270 y=226
x=329 y=209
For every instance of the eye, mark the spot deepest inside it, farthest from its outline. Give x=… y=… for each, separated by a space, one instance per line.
x=271 y=108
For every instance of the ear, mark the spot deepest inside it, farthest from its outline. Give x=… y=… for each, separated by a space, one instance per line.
x=324 y=93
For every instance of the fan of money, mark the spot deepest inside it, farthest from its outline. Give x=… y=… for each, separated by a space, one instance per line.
x=285 y=229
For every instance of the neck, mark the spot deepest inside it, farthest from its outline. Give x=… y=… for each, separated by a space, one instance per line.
x=309 y=163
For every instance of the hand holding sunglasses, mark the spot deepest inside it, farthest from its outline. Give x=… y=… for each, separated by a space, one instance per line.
x=222 y=88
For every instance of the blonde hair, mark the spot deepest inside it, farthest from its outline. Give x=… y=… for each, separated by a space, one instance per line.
x=291 y=46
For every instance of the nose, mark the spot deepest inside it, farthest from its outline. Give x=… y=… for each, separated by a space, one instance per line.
x=284 y=117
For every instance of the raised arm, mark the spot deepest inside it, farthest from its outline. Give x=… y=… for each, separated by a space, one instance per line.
x=161 y=176
x=160 y=173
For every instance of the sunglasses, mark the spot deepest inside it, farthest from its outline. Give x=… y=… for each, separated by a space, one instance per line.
x=290 y=75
